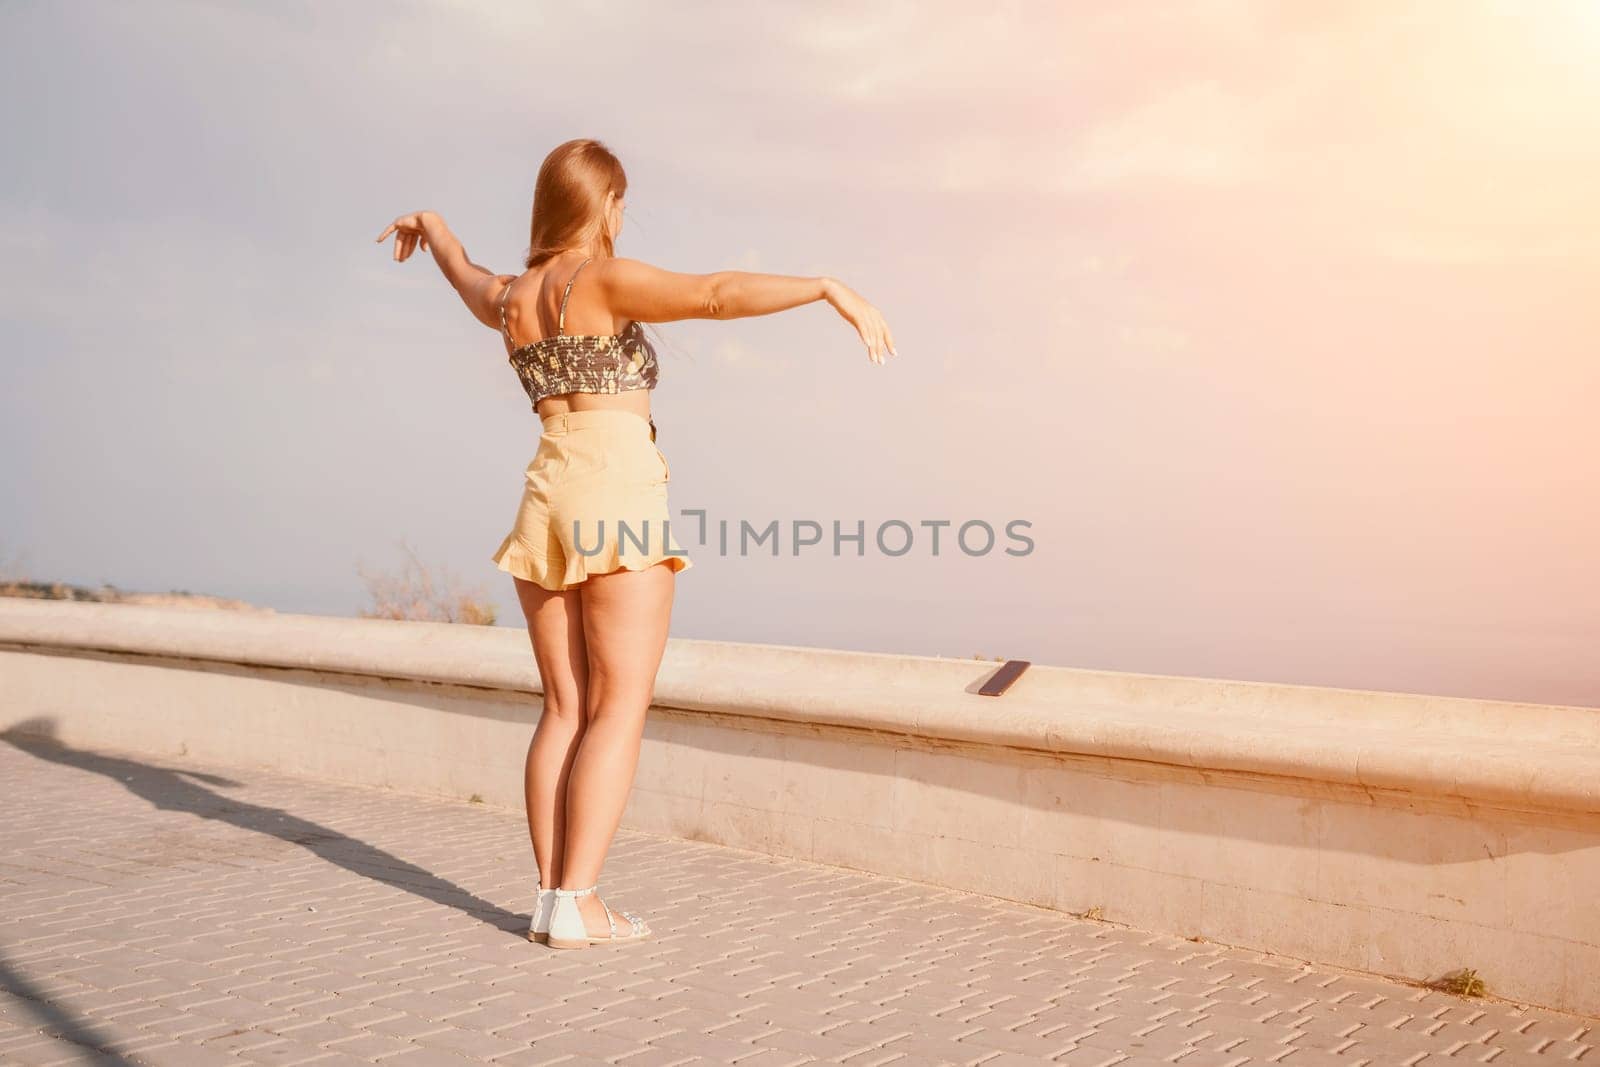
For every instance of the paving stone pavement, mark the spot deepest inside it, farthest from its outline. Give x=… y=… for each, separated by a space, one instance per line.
x=165 y=913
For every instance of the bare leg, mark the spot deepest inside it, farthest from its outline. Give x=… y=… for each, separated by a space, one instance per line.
x=555 y=626
x=626 y=615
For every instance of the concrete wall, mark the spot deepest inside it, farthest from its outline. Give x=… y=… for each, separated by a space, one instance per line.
x=1404 y=835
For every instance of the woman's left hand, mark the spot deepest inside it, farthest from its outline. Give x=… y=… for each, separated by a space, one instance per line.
x=410 y=232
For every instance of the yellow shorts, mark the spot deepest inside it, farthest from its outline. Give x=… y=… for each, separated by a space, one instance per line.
x=595 y=501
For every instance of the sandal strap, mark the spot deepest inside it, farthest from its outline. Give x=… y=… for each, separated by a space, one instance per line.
x=634 y=922
x=577 y=892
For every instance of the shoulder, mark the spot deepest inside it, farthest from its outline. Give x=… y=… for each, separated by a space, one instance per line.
x=603 y=276
x=499 y=291
x=634 y=289
x=621 y=274
x=488 y=297
x=484 y=295
x=615 y=267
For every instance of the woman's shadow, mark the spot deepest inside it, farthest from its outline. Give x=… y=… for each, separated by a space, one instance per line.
x=177 y=789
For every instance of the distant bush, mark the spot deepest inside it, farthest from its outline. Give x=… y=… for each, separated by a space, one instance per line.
x=14 y=581
x=418 y=594
x=55 y=591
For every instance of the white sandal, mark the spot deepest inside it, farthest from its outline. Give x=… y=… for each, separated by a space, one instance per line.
x=539 y=925
x=568 y=930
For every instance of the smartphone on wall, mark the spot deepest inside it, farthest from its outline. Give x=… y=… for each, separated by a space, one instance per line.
x=1001 y=680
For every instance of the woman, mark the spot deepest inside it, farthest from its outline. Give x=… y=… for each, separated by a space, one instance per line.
x=591 y=551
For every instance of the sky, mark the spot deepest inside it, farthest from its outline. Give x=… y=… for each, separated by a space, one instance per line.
x=1275 y=326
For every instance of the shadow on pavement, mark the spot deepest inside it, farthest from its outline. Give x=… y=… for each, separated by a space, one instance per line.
x=52 y=1019
x=177 y=789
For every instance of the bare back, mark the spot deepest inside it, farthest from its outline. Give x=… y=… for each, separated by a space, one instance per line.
x=533 y=312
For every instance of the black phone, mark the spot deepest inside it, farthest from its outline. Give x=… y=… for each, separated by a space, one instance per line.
x=1001 y=679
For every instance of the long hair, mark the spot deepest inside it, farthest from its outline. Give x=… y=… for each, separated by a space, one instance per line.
x=569 y=199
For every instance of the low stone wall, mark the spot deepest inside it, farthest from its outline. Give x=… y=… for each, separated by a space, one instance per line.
x=1405 y=835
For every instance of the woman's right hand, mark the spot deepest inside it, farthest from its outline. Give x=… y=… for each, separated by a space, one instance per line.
x=867 y=320
x=410 y=231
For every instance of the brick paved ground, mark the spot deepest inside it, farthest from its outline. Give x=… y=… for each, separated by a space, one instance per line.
x=169 y=914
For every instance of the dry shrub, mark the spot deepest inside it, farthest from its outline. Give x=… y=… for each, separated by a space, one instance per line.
x=417 y=593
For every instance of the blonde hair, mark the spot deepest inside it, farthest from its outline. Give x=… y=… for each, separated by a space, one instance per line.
x=569 y=199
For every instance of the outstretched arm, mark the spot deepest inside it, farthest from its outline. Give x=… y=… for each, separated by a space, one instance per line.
x=637 y=290
x=477 y=286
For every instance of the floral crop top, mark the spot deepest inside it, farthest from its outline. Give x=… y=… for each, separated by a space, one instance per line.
x=582 y=362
